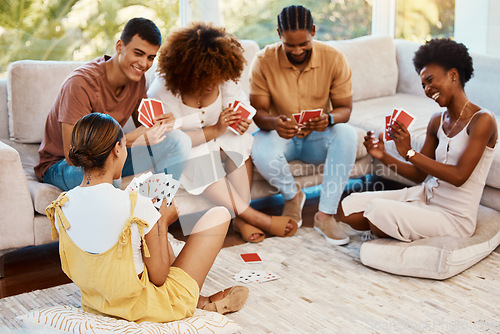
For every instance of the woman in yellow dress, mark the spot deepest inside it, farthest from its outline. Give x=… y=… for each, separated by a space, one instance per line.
x=113 y=243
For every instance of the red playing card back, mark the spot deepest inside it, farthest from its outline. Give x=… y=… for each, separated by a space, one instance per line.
x=144 y=120
x=245 y=113
x=393 y=116
x=156 y=108
x=297 y=118
x=387 y=124
x=404 y=118
x=250 y=258
x=310 y=114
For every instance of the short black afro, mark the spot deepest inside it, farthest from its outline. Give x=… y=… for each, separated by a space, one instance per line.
x=446 y=53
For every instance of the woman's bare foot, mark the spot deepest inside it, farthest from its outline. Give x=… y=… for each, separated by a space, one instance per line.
x=263 y=221
x=253 y=237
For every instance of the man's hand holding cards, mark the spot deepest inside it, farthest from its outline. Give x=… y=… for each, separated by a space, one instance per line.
x=306 y=115
x=397 y=115
x=245 y=112
x=151 y=110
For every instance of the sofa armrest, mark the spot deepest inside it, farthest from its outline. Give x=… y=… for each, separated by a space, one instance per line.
x=16 y=224
x=4 y=118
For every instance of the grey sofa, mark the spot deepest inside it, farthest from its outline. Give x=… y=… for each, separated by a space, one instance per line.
x=383 y=79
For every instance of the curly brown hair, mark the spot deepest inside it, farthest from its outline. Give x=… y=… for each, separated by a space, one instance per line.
x=199 y=55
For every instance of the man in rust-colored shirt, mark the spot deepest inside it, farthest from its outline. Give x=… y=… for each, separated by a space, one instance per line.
x=288 y=77
x=114 y=86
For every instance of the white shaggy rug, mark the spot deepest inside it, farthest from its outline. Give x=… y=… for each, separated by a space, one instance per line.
x=325 y=289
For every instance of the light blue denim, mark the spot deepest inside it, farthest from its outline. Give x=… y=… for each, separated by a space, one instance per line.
x=169 y=156
x=335 y=148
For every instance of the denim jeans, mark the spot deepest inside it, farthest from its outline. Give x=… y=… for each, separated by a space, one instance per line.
x=335 y=148
x=169 y=156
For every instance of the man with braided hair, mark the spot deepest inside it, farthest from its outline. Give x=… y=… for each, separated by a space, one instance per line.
x=287 y=77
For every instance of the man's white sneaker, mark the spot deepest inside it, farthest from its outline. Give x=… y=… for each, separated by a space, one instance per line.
x=331 y=230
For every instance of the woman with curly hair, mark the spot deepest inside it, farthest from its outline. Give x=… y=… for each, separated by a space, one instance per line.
x=456 y=155
x=199 y=67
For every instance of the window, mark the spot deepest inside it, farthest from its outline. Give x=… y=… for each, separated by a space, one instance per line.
x=334 y=19
x=72 y=29
x=421 y=20
x=85 y=29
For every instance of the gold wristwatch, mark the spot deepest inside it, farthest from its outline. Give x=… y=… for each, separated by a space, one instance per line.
x=410 y=153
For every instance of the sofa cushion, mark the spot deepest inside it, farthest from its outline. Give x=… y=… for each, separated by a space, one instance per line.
x=373 y=64
x=16 y=229
x=68 y=319
x=437 y=258
x=32 y=89
x=370 y=114
x=408 y=79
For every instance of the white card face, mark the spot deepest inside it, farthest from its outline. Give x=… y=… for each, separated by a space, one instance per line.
x=171 y=188
x=257 y=276
x=160 y=186
x=269 y=276
x=152 y=186
x=248 y=276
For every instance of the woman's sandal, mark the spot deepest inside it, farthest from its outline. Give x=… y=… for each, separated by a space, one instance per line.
x=246 y=230
x=278 y=226
x=226 y=301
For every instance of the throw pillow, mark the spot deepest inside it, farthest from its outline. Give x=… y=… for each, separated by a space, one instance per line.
x=437 y=258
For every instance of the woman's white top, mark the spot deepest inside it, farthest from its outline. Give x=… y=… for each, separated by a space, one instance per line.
x=205 y=166
x=97 y=215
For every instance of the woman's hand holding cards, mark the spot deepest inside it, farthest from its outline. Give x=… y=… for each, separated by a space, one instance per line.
x=401 y=136
x=243 y=125
x=169 y=213
x=227 y=117
x=374 y=147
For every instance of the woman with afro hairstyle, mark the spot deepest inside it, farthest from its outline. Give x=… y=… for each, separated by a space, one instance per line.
x=452 y=164
x=198 y=71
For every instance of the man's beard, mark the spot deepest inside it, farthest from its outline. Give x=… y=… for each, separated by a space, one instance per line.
x=294 y=62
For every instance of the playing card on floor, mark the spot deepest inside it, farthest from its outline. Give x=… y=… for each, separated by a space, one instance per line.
x=268 y=276
x=250 y=257
x=248 y=276
x=256 y=276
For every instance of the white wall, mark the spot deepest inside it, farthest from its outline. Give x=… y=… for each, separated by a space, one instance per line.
x=477 y=25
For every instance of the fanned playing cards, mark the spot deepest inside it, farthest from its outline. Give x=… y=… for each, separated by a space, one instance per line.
x=161 y=186
x=246 y=112
x=397 y=115
x=306 y=115
x=149 y=109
